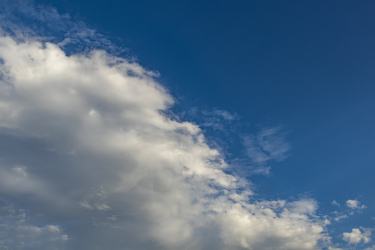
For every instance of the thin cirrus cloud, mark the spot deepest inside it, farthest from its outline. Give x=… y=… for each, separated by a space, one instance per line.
x=89 y=160
x=267 y=146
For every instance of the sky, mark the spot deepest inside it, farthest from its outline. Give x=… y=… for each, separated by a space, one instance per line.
x=130 y=125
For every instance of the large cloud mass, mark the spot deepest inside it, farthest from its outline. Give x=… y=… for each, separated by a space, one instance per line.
x=89 y=160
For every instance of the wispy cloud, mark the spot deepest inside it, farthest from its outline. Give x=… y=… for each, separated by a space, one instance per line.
x=216 y=119
x=353 y=206
x=23 y=20
x=339 y=216
x=335 y=203
x=267 y=146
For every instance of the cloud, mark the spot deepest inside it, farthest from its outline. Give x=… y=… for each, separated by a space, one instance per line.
x=356 y=236
x=218 y=120
x=223 y=114
x=340 y=217
x=87 y=149
x=335 y=203
x=354 y=204
x=22 y=19
x=267 y=146
x=18 y=232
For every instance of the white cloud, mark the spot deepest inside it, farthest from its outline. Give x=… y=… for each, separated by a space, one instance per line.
x=101 y=157
x=356 y=236
x=18 y=232
x=340 y=217
x=354 y=204
x=334 y=248
x=327 y=222
x=335 y=203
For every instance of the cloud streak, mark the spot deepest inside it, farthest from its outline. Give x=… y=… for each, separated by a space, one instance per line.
x=267 y=146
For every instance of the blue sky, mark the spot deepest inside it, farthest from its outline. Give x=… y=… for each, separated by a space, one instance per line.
x=277 y=97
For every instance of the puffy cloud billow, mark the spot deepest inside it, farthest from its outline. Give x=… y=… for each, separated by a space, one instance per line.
x=356 y=236
x=89 y=156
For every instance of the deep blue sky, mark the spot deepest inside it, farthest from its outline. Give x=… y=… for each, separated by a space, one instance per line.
x=306 y=65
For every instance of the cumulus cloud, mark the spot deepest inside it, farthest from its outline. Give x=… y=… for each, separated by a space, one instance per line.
x=354 y=204
x=86 y=148
x=356 y=236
